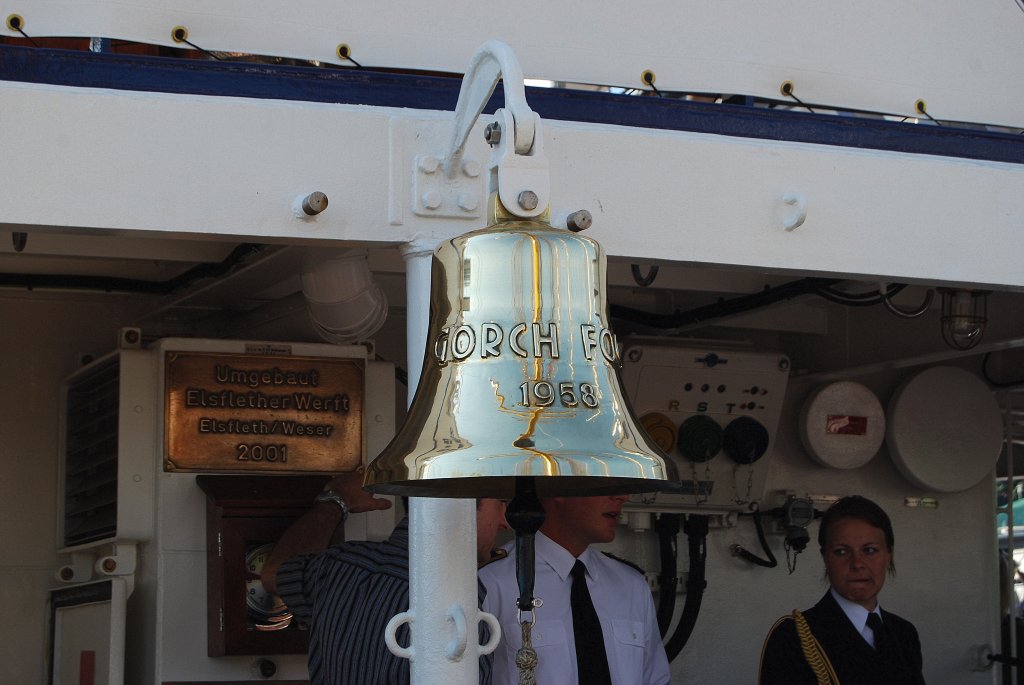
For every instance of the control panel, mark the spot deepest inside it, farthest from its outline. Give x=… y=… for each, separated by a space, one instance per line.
x=714 y=411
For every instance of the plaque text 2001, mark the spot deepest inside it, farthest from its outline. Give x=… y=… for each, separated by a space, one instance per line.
x=261 y=452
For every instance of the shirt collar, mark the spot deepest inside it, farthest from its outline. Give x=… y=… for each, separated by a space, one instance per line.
x=559 y=559
x=857 y=614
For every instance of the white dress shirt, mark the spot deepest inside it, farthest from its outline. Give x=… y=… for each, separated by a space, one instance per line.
x=621 y=598
x=858 y=616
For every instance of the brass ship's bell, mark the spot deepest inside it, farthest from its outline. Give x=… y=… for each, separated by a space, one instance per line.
x=520 y=377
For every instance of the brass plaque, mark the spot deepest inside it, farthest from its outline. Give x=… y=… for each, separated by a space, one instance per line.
x=262 y=414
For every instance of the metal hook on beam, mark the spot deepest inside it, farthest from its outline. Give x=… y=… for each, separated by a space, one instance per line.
x=518 y=154
x=492 y=62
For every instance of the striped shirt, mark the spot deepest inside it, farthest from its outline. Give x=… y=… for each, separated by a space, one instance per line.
x=347 y=594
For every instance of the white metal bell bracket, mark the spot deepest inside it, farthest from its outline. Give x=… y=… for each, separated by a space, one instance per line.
x=518 y=166
x=456 y=647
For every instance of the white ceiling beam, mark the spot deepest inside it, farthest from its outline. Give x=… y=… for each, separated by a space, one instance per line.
x=233 y=168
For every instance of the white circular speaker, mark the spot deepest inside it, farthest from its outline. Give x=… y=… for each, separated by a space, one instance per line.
x=945 y=429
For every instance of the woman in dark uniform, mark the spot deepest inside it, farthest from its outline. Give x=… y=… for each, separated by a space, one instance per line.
x=846 y=637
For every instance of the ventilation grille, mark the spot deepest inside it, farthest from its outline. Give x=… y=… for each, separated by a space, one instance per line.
x=90 y=466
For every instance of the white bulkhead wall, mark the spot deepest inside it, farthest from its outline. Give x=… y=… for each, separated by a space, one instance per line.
x=34 y=361
x=945 y=556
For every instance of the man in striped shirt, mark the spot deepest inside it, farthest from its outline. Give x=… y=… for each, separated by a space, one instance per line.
x=348 y=591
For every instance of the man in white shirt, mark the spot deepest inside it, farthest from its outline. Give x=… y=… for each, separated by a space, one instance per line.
x=620 y=596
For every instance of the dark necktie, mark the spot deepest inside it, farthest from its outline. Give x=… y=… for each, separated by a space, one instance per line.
x=878 y=628
x=591 y=660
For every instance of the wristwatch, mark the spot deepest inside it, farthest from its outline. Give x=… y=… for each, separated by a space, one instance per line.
x=332 y=496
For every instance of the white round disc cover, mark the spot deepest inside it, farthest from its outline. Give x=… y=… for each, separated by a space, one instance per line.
x=842 y=425
x=945 y=429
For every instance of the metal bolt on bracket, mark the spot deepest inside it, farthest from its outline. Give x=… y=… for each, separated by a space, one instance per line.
x=528 y=200
x=431 y=199
x=492 y=134
x=429 y=164
x=580 y=220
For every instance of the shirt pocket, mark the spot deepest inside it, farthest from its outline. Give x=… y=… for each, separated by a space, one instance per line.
x=548 y=634
x=628 y=632
x=629 y=643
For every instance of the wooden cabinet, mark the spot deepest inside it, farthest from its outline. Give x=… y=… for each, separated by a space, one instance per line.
x=245 y=517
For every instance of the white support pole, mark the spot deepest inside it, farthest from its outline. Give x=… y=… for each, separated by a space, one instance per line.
x=443 y=612
x=442 y=535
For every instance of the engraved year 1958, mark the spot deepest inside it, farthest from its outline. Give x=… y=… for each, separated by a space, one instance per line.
x=568 y=394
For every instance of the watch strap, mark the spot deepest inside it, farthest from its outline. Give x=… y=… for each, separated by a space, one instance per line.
x=332 y=496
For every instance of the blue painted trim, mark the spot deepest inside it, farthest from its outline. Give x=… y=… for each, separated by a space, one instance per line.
x=384 y=89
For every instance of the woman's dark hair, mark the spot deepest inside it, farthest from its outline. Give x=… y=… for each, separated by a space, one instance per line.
x=857 y=507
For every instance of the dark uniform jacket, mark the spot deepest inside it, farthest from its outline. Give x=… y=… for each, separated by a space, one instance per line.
x=854 y=660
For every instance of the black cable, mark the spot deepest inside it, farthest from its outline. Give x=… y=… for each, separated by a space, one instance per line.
x=737 y=305
x=667 y=528
x=648 y=78
x=910 y=313
x=180 y=35
x=1009 y=660
x=345 y=53
x=787 y=90
x=131 y=285
x=17 y=27
x=741 y=551
x=205 y=52
x=868 y=298
x=822 y=287
x=696 y=529
x=871 y=295
x=930 y=117
x=832 y=296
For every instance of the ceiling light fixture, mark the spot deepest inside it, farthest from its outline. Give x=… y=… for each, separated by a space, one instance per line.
x=964 y=316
